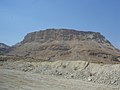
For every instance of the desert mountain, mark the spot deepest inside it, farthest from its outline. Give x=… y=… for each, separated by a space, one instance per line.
x=66 y=44
x=3 y=48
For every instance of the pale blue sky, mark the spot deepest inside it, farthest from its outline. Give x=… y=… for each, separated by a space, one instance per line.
x=19 y=17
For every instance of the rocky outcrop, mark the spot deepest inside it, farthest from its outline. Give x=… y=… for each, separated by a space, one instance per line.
x=64 y=35
x=66 y=44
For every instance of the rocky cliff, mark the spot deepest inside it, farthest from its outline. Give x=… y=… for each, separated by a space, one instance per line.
x=67 y=44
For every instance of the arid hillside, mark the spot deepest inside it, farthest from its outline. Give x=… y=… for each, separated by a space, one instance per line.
x=4 y=48
x=61 y=59
x=66 y=44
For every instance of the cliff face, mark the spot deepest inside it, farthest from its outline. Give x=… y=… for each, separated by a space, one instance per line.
x=64 y=35
x=66 y=44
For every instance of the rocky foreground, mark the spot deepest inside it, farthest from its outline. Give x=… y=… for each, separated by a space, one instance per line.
x=17 y=80
x=28 y=74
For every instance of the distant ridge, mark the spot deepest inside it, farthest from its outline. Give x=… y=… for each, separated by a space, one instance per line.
x=4 y=48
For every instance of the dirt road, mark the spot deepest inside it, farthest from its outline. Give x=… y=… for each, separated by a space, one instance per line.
x=17 y=80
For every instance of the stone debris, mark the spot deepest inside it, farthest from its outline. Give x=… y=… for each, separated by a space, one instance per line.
x=98 y=73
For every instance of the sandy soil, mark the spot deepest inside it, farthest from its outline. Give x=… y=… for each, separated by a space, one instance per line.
x=18 y=80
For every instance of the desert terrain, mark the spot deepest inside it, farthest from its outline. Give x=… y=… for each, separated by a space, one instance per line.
x=17 y=80
x=60 y=59
x=58 y=75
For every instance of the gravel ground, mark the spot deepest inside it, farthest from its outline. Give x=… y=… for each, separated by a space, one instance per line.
x=18 y=80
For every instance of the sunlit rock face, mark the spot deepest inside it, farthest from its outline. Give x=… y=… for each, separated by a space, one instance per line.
x=66 y=44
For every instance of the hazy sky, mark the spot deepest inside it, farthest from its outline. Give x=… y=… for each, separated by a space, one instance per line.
x=19 y=17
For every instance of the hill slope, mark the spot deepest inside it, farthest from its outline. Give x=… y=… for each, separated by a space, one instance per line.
x=66 y=44
x=3 y=48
